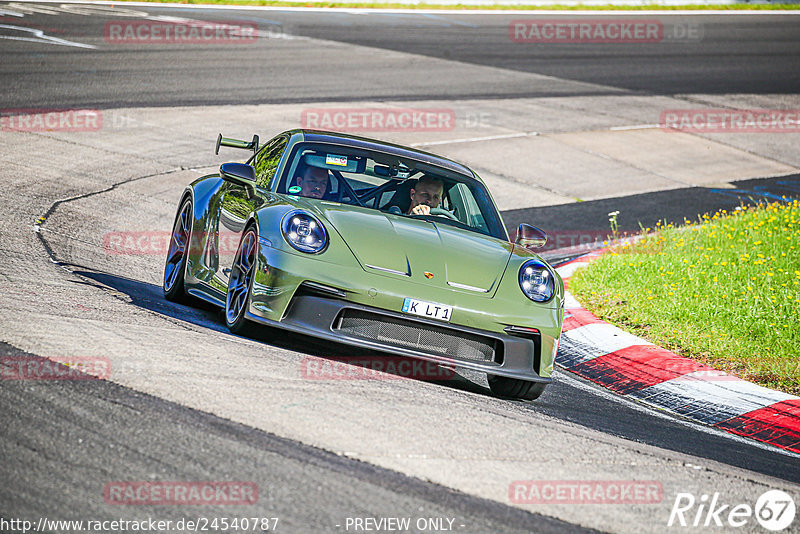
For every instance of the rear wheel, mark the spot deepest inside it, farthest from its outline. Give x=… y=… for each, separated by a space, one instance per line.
x=240 y=283
x=515 y=388
x=175 y=266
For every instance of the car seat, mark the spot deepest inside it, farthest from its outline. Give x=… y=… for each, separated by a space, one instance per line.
x=401 y=199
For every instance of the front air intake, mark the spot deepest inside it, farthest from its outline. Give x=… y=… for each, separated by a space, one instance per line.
x=422 y=337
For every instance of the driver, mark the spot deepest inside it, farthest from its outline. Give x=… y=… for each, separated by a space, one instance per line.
x=426 y=194
x=313 y=181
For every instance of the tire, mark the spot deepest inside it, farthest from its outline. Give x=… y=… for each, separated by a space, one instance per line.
x=179 y=246
x=514 y=388
x=240 y=283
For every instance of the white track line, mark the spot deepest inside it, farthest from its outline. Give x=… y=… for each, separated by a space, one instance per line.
x=588 y=13
x=475 y=139
x=39 y=37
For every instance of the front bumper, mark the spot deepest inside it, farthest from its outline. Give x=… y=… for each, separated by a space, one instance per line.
x=334 y=319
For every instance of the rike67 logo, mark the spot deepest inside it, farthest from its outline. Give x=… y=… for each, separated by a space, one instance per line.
x=774 y=510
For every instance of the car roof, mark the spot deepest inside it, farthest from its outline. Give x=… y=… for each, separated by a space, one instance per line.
x=321 y=136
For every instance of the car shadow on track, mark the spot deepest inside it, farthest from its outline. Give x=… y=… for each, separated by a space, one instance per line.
x=328 y=361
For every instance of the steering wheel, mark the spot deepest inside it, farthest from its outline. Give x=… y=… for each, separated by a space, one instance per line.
x=443 y=213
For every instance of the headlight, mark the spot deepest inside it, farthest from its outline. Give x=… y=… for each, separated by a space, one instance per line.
x=304 y=232
x=537 y=281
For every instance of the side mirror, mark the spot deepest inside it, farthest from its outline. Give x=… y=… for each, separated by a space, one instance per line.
x=530 y=236
x=241 y=174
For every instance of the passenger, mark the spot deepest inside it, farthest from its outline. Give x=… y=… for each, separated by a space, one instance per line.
x=426 y=194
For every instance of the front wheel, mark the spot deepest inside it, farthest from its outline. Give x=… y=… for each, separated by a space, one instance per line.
x=179 y=246
x=515 y=388
x=239 y=284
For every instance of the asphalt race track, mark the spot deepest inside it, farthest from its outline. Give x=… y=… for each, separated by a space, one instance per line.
x=563 y=135
x=753 y=54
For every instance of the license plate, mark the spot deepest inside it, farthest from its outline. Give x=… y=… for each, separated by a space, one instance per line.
x=427 y=309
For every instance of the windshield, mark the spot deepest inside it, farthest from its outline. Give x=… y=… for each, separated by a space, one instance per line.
x=396 y=186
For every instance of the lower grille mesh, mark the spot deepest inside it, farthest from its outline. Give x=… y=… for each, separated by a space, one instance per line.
x=430 y=339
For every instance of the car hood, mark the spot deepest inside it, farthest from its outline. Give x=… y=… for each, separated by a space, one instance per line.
x=397 y=245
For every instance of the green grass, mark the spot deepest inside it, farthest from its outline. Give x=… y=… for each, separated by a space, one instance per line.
x=725 y=291
x=400 y=5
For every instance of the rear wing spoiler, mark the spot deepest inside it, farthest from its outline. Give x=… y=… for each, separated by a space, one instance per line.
x=236 y=143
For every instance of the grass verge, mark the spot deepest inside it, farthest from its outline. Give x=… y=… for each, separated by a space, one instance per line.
x=554 y=7
x=725 y=291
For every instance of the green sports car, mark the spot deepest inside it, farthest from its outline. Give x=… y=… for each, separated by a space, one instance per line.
x=370 y=244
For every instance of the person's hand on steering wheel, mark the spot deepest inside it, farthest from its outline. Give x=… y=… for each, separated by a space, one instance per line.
x=423 y=209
